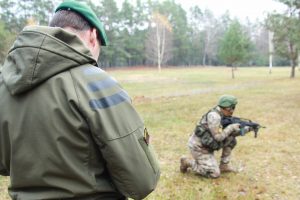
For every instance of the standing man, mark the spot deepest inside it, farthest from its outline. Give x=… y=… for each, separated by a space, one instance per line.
x=67 y=129
x=209 y=136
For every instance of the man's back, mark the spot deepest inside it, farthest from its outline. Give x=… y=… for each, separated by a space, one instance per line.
x=59 y=114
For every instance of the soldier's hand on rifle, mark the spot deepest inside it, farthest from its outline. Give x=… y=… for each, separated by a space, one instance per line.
x=245 y=130
x=248 y=129
x=234 y=129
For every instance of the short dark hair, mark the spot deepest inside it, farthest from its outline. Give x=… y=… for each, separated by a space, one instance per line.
x=67 y=18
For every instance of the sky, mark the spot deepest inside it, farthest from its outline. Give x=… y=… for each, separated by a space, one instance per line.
x=253 y=9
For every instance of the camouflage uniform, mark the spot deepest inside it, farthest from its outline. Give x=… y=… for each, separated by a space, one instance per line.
x=208 y=137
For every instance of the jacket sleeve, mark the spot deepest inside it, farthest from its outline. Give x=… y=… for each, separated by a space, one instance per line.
x=3 y=171
x=3 y=151
x=214 y=125
x=119 y=132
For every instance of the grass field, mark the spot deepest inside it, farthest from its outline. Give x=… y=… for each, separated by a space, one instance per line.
x=171 y=102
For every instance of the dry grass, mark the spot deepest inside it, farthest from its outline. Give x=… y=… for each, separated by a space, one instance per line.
x=3 y=188
x=171 y=102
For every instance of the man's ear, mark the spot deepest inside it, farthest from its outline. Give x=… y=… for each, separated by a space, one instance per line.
x=93 y=37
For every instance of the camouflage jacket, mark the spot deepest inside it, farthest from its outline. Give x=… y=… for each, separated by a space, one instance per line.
x=210 y=130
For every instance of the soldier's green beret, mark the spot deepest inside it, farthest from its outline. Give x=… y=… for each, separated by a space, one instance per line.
x=227 y=101
x=87 y=13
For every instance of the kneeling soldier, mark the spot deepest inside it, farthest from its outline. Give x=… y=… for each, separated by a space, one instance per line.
x=209 y=136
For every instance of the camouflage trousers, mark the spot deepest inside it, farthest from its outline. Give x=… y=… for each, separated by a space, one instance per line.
x=204 y=161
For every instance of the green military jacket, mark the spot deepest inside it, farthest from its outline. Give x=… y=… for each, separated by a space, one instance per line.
x=67 y=128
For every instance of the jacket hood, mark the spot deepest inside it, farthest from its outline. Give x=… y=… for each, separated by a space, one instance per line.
x=40 y=53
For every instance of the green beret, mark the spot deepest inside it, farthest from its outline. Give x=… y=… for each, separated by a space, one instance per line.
x=87 y=13
x=227 y=101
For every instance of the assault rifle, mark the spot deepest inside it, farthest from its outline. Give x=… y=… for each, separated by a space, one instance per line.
x=243 y=122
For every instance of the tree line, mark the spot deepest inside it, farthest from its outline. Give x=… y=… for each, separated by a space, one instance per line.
x=155 y=33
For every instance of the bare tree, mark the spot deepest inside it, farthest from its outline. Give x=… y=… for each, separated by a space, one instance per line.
x=286 y=29
x=261 y=37
x=210 y=34
x=159 y=40
x=271 y=50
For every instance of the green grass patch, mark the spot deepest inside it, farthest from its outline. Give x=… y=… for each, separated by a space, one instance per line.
x=171 y=103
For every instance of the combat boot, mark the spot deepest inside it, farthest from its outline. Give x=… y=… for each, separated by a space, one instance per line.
x=226 y=168
x=184 y=164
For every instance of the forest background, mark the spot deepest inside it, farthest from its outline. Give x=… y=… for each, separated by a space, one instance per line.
x=162 y=33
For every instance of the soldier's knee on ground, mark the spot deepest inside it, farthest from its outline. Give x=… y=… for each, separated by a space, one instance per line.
x=215 y=174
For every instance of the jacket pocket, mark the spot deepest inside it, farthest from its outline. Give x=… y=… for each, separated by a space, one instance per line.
x=150 y=154
x=132 y=164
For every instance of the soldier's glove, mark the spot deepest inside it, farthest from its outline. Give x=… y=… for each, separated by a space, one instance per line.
x=248 y=129
x=245 y=130
x=234 y=129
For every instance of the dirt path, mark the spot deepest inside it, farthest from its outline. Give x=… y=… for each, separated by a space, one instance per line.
x=192 y=92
